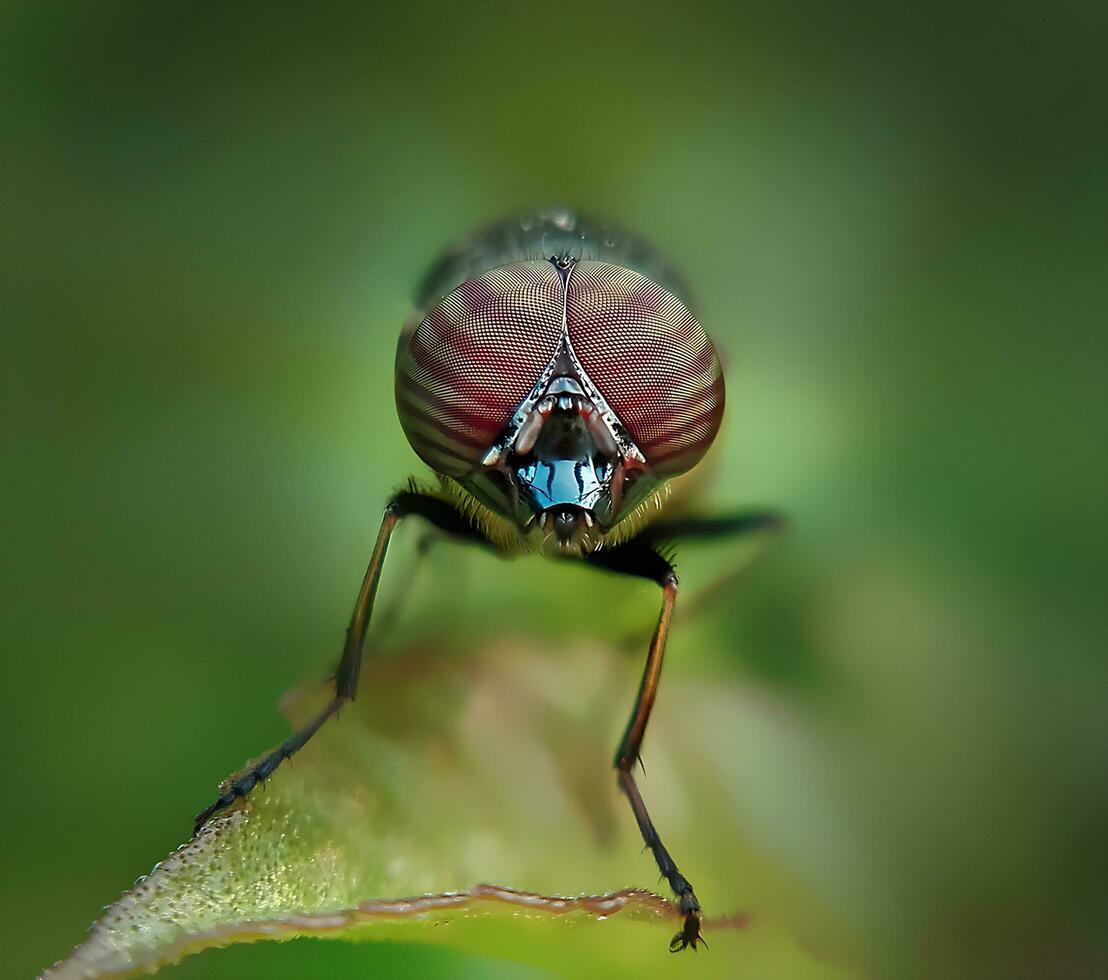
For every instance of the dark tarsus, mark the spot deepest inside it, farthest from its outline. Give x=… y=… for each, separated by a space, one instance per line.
x=640 y=558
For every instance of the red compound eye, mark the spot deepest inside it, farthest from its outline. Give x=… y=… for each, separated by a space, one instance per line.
x=473 y=359
x=650 y=359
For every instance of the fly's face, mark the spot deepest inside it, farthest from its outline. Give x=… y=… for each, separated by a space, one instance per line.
x=560 y=393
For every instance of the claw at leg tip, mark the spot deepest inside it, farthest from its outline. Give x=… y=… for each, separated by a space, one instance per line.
x=689 y=935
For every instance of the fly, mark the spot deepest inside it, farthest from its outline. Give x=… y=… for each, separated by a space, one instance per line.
x=555 y=379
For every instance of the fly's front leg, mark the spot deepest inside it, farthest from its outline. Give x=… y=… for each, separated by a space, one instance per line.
x=440 y=514
x=346 y=678
x=641 y=560
x=447 y=525
x=760 y=525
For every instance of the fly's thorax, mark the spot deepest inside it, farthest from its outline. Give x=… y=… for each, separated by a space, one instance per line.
x=536 y=236
x=560 y=393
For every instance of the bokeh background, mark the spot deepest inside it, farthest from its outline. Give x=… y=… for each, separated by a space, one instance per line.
x=893 y=221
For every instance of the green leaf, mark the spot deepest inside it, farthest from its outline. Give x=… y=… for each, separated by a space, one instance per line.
x=454 y=771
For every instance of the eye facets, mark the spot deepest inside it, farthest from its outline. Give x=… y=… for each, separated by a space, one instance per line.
x=566 y=379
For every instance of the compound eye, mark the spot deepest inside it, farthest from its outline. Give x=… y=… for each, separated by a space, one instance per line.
x=651 y=360
x=472 y=360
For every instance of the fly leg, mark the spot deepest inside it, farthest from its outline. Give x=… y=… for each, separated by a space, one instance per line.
x=641 y=560
x=443 y=516
x=695 y=529
x=444 y=528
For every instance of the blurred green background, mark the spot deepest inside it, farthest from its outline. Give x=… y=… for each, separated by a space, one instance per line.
x=893 y=221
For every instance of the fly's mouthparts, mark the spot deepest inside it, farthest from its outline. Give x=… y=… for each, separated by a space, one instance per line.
x=567 y=523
